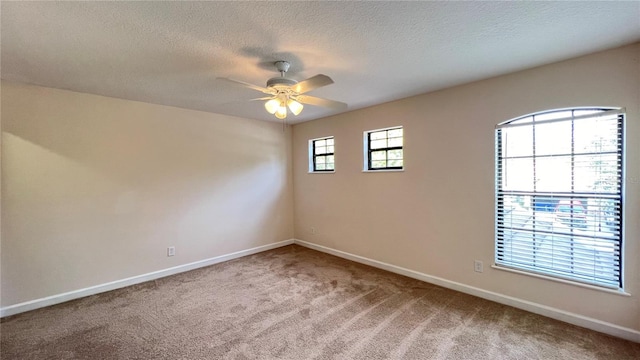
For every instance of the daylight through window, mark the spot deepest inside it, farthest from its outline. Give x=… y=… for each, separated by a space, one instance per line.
x=322 y=154
x=559 y=195
x=384 y=149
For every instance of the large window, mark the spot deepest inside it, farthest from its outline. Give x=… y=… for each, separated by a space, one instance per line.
x=322 y=155
x=383 y=149
x=559 y=195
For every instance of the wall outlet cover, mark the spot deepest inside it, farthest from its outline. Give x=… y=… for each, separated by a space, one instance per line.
x=477 y=266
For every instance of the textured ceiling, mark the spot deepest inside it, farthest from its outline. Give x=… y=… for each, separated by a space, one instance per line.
x=171 y=52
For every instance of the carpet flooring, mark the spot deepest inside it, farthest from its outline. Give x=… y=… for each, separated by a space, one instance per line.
x=295 y=303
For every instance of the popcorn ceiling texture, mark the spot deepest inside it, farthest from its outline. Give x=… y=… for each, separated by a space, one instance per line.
x=295 y=303
x=171 y=52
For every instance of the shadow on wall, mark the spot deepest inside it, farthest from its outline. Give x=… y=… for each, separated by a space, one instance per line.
x=95 y=189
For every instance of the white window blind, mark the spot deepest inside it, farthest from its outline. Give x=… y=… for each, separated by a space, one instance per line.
x=559 y=195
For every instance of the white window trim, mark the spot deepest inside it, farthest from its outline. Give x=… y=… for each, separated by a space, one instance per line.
x=310 y=156
x=365 y=150
x=606 y=111
x=560 y=280
x=383 y=170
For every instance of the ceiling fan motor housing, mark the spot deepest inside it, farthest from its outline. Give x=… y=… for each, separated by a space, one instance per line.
x=280 y=81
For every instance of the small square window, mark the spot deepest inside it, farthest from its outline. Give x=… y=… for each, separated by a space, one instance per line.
x=384 y=149
x=322 y=155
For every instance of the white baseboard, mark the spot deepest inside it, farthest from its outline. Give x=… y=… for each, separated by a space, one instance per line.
x=60 y=298
x=571 y=318
x=575 y=319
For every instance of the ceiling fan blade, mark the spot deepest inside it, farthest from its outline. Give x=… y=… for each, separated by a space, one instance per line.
x=247 y=85
x=262 y=98
x=312 y=100
x=311 y=83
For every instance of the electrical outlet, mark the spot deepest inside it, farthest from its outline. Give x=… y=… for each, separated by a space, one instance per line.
x=477 y=266
x=171 y=251
x=313 y=230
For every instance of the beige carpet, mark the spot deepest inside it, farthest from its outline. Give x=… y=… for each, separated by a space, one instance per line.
x=295 y=303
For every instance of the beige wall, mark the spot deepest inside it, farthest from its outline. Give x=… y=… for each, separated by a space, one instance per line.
x=94 y=189
x=437 y=216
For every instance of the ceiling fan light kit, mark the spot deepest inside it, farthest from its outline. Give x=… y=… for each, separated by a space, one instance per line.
x=272 y=105
x=287 y=93
x=295 y=107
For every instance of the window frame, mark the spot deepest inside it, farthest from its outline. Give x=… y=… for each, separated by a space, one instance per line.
x=367 y=150
x=538 y=198
x=313 y=155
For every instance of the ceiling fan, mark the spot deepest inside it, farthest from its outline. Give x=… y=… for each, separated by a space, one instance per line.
x=288 y=93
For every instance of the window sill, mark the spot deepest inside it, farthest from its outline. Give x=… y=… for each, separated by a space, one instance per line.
x=568 y=282
x=383 y=170
x=321 y=172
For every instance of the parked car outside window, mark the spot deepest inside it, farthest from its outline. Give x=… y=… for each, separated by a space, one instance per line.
x=572 y=213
